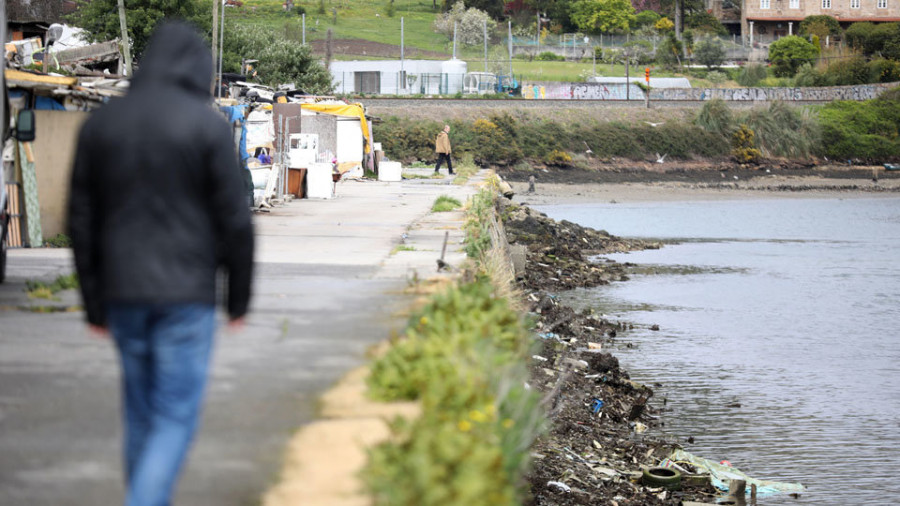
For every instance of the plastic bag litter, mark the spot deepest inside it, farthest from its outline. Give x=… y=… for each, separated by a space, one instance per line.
x=721 y=474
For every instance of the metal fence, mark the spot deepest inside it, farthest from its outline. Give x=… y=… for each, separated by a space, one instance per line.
x=577 y=46
x=398 y=83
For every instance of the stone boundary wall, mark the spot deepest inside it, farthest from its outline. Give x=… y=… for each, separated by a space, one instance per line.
x=600 y=91
x=823 y=94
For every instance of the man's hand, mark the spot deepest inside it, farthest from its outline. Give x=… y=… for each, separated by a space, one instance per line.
x=98 y=331
x=236 y=324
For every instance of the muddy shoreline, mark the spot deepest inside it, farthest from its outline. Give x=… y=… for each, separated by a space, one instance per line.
x=710 y=172
x=594 y=452
x=598 y=441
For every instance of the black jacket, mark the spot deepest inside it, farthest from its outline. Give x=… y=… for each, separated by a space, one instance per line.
x=157 y=201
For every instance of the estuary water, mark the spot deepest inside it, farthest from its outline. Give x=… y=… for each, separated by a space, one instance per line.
x=779 y=340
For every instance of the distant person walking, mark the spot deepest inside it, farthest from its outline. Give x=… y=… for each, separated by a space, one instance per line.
x=157 y=206
x=442 y=148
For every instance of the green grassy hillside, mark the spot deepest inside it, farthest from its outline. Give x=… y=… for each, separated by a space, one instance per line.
x=366 y=30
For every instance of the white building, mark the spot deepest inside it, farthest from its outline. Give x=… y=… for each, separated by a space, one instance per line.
x=395 y=77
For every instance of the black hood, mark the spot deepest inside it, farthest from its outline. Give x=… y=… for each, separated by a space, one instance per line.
x=176 y=55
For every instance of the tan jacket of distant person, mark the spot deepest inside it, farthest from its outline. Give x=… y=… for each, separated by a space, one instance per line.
x=442 y=143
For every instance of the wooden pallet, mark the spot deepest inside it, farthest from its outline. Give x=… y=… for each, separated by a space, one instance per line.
x=14 y=206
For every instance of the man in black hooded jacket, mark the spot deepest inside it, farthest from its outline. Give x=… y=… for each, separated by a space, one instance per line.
x=156 y=207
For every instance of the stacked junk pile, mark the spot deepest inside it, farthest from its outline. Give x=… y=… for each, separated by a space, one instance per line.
x=297 y=145
x=293 y=144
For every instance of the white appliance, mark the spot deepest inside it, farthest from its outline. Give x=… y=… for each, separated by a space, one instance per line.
x=303 y=150
x=319 y=183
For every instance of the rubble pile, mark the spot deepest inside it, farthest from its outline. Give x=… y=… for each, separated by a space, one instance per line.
x=596 y=447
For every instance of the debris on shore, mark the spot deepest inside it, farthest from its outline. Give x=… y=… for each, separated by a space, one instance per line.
x=558 y=253
x=597 y=447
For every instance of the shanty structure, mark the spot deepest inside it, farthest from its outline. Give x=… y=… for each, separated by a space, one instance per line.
x=39 y=171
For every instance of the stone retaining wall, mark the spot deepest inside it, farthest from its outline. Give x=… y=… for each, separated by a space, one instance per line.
x=600 y=91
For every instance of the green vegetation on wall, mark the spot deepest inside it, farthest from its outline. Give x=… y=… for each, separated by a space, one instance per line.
x=866 y=130
x=504 y=139
x=463 y=358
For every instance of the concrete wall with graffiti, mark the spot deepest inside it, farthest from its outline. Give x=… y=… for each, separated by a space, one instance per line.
x=598 y=91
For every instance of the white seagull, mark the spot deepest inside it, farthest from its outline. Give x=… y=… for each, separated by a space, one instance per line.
x=661 y=159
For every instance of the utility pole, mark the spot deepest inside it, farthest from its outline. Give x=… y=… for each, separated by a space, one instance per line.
x=454 y=40
x=509 y=39
x=126 y=46
x=221 y=46
x=627 y=79
x=215 y=39
x=484 y=27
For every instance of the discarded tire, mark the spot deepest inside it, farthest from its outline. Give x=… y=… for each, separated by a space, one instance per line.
x=661 y=477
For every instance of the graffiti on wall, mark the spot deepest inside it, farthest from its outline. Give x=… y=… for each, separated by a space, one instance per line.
x=600 y=91
x=583 y=91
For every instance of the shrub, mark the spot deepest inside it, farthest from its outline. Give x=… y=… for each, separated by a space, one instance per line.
x=873 y=38
x=846 y=72
x=858 y=36
x=882 y=70
x=784 y=131
x=549 y=56
x=715 y=116
x=788 y=53
x=703 y=21
x=807 y=75
x=716 y=78
x=505 y=139
x=41 y=290
x=670 y=50
x=408 y=141
x=664 y=25
x=752 y=74
x=742 y=142
x=463 y=358
x=58 y=241
x=709 y=52
x=868 y=130
x=820 y=25
x=645 y=18
x=469 y=24
x=557 y=157
x=280 y=60
x=445 y=203
x=638 y=52
x=494 y=145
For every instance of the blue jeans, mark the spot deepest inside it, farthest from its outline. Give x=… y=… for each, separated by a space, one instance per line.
x=164 y=351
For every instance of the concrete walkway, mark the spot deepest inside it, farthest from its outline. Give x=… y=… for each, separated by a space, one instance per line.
x=327 y=287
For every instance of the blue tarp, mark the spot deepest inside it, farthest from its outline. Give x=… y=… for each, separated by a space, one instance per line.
x=42 y=103
x=236 y=113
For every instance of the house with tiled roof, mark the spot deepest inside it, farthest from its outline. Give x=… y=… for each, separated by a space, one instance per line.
x=764 y=21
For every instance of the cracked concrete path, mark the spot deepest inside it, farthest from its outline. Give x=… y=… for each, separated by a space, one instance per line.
x=326 y=288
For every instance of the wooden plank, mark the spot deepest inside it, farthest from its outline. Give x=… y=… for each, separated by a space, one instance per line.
x=101 y=50
x=17 y=76
x=14 y=229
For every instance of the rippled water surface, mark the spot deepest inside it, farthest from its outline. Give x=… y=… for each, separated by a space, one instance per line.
x=789 y=308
